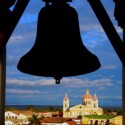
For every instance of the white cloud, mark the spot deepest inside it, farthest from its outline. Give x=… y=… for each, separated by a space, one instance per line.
x=104 y=82
x=30 y=83
x=110 y=97
x=109 y=67
x=17 y=91
x=69 y=82
x=102 y=88
x=78 y=83
x=22 y=38
x=90 y=27
x=16 y=38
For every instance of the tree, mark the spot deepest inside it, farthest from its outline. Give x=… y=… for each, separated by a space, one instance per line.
x=34 y=120
x=51 y=108
x=80 y=117
x=30 y=107
x=119 y=112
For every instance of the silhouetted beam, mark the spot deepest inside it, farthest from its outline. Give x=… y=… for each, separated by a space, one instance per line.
x=16 y=15
x=109 y=29
x=2 y=86
x=123 y=86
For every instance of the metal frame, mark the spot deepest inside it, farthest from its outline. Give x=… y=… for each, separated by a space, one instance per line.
x=17 y=13
x=105 y=22
x=115 y=40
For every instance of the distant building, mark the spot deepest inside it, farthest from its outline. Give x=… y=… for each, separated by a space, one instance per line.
x=45 y=114
x=117 y=120
x=57 y=121
x=10 y=116
x=89 y=106
x=9 y=123
x=102 y=120
x=14 y=119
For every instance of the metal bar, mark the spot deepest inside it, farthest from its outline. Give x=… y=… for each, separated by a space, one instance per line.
x=123 y=86
x=16 y=15
x=2 y=86
x=109 y=29
x=115 y=40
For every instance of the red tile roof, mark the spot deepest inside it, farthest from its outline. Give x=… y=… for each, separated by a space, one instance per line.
x=55 y=120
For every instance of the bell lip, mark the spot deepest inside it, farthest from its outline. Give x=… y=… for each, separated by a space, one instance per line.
x=55 y=0
x=58 y=75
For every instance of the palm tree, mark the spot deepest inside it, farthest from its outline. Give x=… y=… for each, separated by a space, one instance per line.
x=34 y=120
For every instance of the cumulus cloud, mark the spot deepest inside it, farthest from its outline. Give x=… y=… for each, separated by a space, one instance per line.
x=110 y=97
x=16 y=38
x=91 y=27
x=22 y=37
x=17 y=91
x=102 y=88
x=109 y=67
x=102 y=82
x=119 y=30
x=94 y=38
x=69 y=82
x=30 y=83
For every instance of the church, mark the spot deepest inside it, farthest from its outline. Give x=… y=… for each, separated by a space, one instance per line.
x=89 y=106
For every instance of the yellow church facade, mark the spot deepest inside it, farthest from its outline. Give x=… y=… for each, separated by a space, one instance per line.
x=89 y=106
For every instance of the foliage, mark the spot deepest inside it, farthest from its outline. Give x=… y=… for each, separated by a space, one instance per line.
x=43 y=109
x=30 y=107
x=80 y=117
x=50 y=108
x=99 y=116
x=34 y=120
x=7 y=108
x=119 y=112
x=111 y=112
x=35 y=108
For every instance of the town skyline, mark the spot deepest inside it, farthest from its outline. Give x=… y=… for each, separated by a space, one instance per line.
x=106 y=82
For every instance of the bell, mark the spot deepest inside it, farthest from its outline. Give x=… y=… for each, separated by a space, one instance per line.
x=58 y=50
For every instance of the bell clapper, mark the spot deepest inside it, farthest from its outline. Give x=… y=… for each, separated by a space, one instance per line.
x=57 y=79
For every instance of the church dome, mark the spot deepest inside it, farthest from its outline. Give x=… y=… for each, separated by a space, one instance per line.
x=87 y=95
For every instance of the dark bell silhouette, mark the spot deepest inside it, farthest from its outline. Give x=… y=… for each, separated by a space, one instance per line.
x=58 y=50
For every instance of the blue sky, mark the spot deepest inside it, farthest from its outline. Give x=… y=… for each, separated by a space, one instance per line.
x=106 y=82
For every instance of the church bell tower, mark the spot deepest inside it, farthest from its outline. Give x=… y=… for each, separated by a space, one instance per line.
x=95 y=102
x=65 y=106
x=65 y=102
